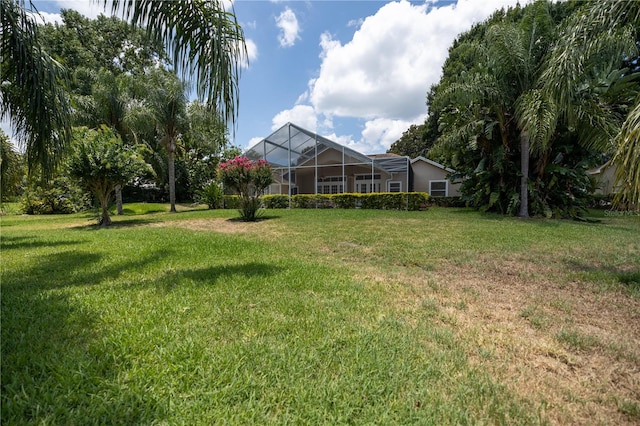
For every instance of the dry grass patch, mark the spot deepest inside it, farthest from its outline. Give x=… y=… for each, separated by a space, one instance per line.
x=262 y=228
x=563 y=345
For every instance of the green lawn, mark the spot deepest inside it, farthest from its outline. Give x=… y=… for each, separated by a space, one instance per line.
x=319 y=317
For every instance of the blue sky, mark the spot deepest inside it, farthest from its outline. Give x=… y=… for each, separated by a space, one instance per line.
x=355 y=71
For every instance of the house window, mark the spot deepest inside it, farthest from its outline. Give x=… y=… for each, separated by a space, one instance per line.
x=438 y=188
x=364 y=184
x=330 y=185
x=395 y=186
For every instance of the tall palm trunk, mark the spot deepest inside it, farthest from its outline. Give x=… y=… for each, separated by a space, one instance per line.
x=524 y=180
x=171 y=150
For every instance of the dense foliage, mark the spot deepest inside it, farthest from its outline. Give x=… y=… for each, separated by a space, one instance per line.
x=101 y=66
x=249 y=179
x=32 y=93
x=101 y=161
x=374 y=200
x=521 y=133
x=11 y=173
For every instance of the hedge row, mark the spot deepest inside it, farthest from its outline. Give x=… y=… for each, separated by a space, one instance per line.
x=376 y=200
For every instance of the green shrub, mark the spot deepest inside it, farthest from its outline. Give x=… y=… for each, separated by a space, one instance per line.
x=231 y=202
x=212 y=195
x=446 y=202
x=275 y=201
x=346 y=200
x=384 y=201
x=376 y=200
x=417 y=200
x=312 y=201
x=60 y=196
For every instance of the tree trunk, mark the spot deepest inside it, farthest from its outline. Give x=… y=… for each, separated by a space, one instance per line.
x=524 y=180
x=172 y=176
x=119 y=200
x=105 y=219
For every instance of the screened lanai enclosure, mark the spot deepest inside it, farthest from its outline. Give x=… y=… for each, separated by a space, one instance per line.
x=306 y=163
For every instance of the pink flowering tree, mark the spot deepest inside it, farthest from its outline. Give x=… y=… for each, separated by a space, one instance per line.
x=249 y=179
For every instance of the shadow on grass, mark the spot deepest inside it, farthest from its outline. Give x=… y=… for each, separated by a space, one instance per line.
x=132 y=212
x=125 y=223
x=9 y=243
x=55 y=367
x=213 y=274
x=629 y=279
x=258 y=219
x=71 y=269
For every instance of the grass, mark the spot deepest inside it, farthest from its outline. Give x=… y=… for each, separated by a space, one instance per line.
x=318 y=317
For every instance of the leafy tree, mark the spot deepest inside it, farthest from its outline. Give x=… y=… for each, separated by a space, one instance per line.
x=249 y=179
x=500 y=90
x=105 y=42
x=204 y=39
x=101 y=161
x=108 y=104
x=597 y=38
x=507 y=94
x=167 y=105
x=11 y=169
x=205 y=141
x=413 y=142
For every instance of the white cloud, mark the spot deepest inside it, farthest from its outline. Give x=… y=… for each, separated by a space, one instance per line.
x=252 y=53
x=383 y=73
x=380 y=133
x=392 y=60
x=355 y=22
x=289 y=28
x=90 y=9
x=47 y=18
x=302 y=115
x=252 y=142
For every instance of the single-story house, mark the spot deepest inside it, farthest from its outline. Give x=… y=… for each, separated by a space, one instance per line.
x=432 y=177
x=304 y=162
x=605 y=177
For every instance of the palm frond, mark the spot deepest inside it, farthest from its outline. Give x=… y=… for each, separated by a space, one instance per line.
x=205 y=41
x=597 y=123
x=627 y=163
x=474 y=89
x=537 y=118
x=33 y=90
x=584 y=42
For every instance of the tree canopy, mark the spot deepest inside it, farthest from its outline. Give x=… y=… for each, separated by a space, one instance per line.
x=101 y=161
x=510 y=121
x=204 y=41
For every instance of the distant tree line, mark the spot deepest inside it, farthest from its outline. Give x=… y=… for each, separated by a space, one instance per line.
x=107 y=73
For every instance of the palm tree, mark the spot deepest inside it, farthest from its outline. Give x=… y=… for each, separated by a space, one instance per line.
x=205 y=40
x=602 y=31
x=33 y=89
x=107 y=105
x=167 y=105
x=503 y=93
x=532 y=85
